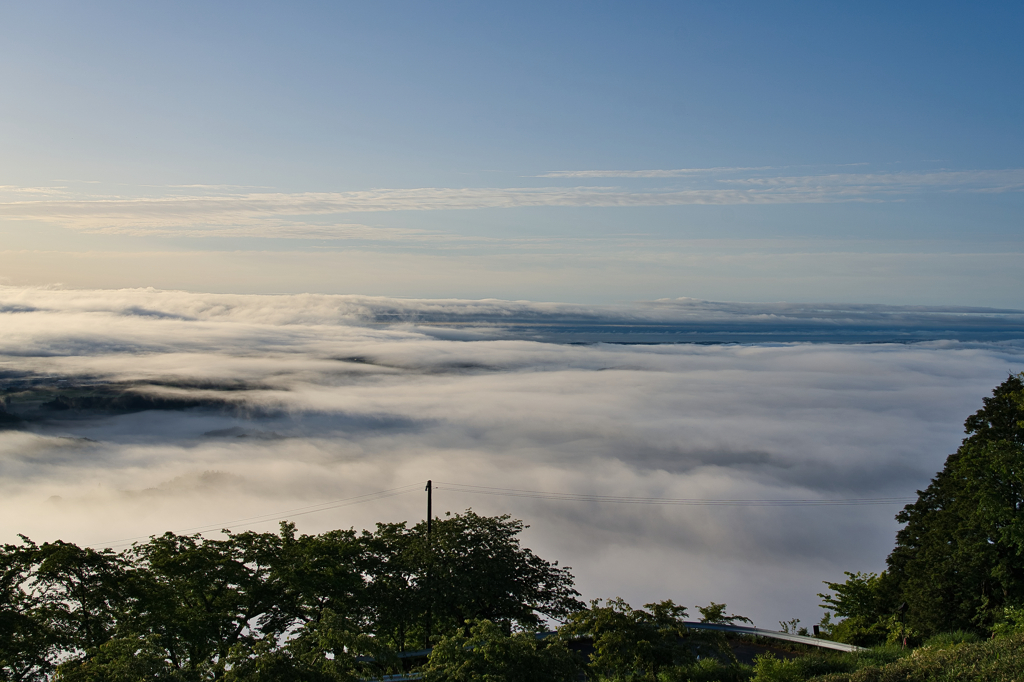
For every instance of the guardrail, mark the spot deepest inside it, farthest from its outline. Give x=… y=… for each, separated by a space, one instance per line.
x=775 y=634
x=748 y=630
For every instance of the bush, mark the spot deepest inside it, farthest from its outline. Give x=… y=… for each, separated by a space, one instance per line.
x=948 y=640
x=998 y=660
x=823 y=666
x=708 y=670
x=1010 y=623
x=768 y=668
x=489 y=654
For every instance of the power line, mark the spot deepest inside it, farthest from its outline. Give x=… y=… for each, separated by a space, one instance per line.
x=697 y=502
x=276 y=516
x=518 y=492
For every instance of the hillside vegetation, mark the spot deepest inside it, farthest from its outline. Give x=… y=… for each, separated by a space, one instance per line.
x=997 y=660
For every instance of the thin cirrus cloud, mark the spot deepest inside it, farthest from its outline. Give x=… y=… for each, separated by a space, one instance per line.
x=290 y=401
x=281 y=214
x=862 y=183
x=667 y=173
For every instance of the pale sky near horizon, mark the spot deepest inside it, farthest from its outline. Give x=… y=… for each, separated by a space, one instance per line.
x=549 y=151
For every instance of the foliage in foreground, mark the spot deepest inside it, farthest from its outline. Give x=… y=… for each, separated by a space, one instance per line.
x=636 y=645
x=264 y=606
x=644 y=644
x=336 y=607
x=997 y=660
x=487 y=653
x=821 y=664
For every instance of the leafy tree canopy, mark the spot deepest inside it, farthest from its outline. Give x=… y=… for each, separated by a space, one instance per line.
x=487 y=654
x=642 y=644
x=958 y=563
x=480 y=571
x=254 y=606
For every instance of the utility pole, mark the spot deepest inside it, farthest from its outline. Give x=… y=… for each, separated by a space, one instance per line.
x=430 y=562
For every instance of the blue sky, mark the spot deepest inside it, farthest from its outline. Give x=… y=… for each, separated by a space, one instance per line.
x=558 y=151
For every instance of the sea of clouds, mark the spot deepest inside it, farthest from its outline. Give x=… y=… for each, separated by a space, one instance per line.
x=287 y=402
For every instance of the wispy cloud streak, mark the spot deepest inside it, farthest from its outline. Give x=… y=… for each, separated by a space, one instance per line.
x=284 y=214
x=666 y=173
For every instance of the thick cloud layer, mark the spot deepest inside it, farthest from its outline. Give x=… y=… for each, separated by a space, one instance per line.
x=146 y=411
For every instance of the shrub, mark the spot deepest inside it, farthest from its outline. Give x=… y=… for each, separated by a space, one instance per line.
x=948 y=640
x=708 y=670
x=489 y=654
x=998 y=660
x=768 y=668
x=1011 y=623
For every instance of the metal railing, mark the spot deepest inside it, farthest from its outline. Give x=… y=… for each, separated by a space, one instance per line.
x=748 y=630
x=775 y=634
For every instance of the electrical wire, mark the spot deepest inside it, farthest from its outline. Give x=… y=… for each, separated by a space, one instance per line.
x=697 y=502
x=518 y=492
x=275 y=516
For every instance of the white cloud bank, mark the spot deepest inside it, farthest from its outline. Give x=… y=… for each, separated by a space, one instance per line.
x=300 y=400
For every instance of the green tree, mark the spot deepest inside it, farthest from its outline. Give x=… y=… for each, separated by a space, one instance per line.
x=255 y=606
x=190 y=605
x=958 y=563
x=29 y=645
x=715 y=613
x=473 y=568
x=395 y=595
x=58 y=601
x=324 y=650
x=864 y=603
x=487 y=654
x=201 y=597
x=317 y=573
x=82 y=592
x=479 y=571
x=642 y=644
x=958 y=559
x=121 y=659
